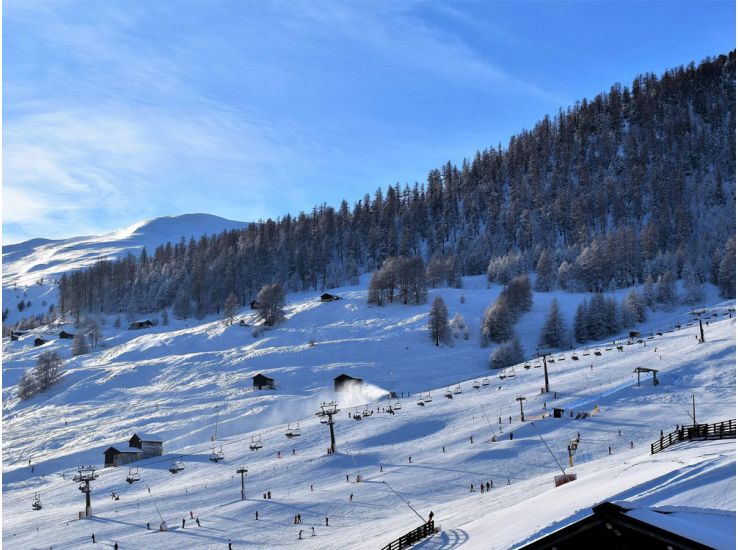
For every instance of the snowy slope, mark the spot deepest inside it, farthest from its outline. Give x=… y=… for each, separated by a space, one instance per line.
x=172 y=380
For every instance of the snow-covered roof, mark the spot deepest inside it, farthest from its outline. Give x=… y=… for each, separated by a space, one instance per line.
x=124 y=449
x=715 y=528
x=149 y=437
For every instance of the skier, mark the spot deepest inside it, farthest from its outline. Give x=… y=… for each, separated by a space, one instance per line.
x=381 y=468
x=488 y=487
x=197 y=520
x=508 y=481
x=631 y=444
x=481 y=488
x=609 y=450
x=351 y=497
x=471 y=487
x=511 y=436
x=299 y=518
x=299 y=536
x=191 y=516
x=471 y=439
x=264 y=496
x=444 y=448
x=183 y=523
x=313 y=531
x=326 y=521
x=230 y=547
x=149 y=488
x=294 y=519
x=256 y=515
x=410 y=459
x=148 y=526
x=269 y=495
x=293 y=452
x=115 y=546
x=430 y=516
x=347 y=479
x=93 y=538
x=311 y=487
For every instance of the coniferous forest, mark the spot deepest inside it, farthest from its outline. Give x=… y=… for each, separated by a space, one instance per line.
x=633 y=185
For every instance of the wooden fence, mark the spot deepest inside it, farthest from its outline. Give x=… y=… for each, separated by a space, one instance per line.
x=717 y=430
x=408 y=539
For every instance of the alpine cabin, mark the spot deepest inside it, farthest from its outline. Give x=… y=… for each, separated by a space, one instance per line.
x=344 y=381
x=148 y=444
x=262 y=382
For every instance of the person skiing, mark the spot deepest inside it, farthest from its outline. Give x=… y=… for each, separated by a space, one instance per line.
x=481 y=488
x=256 y=514
x=511 y=436
x=326 y=521
x=471 y=488
x=197 y=520
x=351 y=497
x=488 y=487
x=191 y=516
x=410 y=459
x=430 y=516
x=183 y=523
x=311 y=487
x=93 y=538
x=230 y=547
x=299 y=518
x=148 y=526
x=115 y=546
x=299 y=536
x=269 y=495
x=347 y=478
x=313 y=531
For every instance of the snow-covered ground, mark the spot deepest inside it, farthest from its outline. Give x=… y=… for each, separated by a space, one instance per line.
x=172 y=380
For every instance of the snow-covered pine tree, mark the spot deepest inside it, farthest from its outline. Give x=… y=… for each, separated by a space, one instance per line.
x=545 y=272
x=581 y=325
x=230 y=308
x=554 y=334
x=79 y=345
x=438 y=321
x=666 y=292
x=506 y=354
x=633 y=309
x=271 y=303
x=726 y=273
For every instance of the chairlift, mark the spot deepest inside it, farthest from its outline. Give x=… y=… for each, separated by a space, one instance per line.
x=598 y=352
x=551 y=360
x=511 y=372
x=366 y=412
x=357 y=414
x=575 y=357
x=256 y=443
x=476 y=384
x=607 y=349
x=561 y=357
x=36 y=502
x=84 y=488
x=503 y=374
x=217 y=456
x=526 y=366
x=293 y=432
x=428 y=398
x=485 y=381
x=397 y=406
x=421 y=401
x=177 y=466
x=133 y=476
x=457 y=390
x=586 y=353
x=449 y=394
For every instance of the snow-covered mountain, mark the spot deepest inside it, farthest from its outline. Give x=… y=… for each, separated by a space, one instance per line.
x=175 y=380
x=25 y=263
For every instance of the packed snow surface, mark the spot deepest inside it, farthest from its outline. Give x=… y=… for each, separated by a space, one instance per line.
x=173 y=380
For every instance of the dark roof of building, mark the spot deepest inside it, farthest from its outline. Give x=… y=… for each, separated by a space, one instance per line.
x=342 y=377
x=149 y=437
x=123 y=448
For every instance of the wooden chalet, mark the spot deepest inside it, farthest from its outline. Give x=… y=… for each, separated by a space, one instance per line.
x=344 y=380
x=39 y=342
x=64 y=335
x=325 y=297
x=149 y=444
x=119 y=455
x=262 y=382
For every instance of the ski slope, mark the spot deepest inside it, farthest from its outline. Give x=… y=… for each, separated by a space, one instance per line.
x=173 y=380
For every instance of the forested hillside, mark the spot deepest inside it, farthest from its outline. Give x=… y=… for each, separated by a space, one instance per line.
x=635 y=184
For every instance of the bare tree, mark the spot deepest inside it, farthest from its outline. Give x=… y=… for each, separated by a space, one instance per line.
x=271 y=303
x=438 y=321
x=230 y=308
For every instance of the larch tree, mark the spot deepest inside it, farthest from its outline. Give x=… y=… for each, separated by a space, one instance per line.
x=438 y=321
x=230 y=308
x=554 y=333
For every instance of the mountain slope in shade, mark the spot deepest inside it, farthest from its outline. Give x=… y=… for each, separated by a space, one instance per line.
x=24 y=263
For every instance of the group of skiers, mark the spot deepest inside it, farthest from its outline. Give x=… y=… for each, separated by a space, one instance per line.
x=482 y=486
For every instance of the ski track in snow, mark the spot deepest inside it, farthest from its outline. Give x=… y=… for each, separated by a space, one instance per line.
x=172 y=380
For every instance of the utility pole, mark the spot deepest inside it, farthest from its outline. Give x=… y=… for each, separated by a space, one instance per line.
x=699 y=315
x=522 y=416
x=85 y=474
x=544 y=353
x=327 y=410
x=243 y=471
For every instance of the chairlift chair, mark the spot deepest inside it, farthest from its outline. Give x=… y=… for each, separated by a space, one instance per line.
x=449 y=394
x=485 y=381
x=177 y=466
x=217 y=456
x=551 y=360
x=503 y=374
x=575 y=357
x=476 y=384
x=421 y=401
x=357 y=414
x=561 y=357
x=36 y=502
x=133 y=476
x=428 y=398
x=511 y=372
x=526 y=366
x=397 y=406
x=457 y=390
x=366 y=412
x=586 y=353
x=256 y=444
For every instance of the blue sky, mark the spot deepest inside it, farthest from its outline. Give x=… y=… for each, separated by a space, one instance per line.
x=119 y=111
